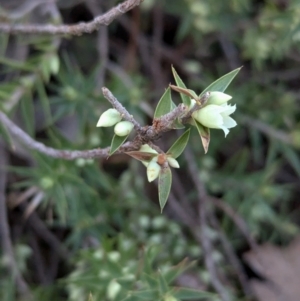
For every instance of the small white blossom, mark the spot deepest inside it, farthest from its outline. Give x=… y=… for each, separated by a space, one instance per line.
x=216 y=117
x=109 y=118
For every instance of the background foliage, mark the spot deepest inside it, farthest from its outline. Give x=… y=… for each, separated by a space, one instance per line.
x=79 y=227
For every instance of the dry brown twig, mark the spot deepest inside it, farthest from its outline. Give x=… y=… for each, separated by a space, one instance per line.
x=76 y=29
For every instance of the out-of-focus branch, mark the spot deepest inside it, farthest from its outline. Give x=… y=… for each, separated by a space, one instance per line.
x=201 y=235
x=5 y=239
x=76 y=29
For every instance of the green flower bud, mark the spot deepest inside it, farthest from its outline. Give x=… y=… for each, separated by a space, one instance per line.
x=173 y=162
x=218 y=98
x=123 y=128
x=113 y=290
x=109 y=118
x=153 y=170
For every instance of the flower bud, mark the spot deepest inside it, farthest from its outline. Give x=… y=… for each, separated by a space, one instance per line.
x=218 y=98
x=123 y=128
x=153 y=170
x=109 y=118
x=173 y=162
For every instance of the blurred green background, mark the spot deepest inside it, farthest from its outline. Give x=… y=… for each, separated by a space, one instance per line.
x=83 y=229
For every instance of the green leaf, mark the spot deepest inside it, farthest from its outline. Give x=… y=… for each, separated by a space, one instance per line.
x=163 y=285
x=204 y=134
x=164 y=186
x=223 y=82
x=27 y=108
x=116 y=143
x=164 y=105
x=145 y=294
x=4 y=133
x=183 y=91
x=177 y=270
x=191 y=294
x=179 y=145
x=185 y=99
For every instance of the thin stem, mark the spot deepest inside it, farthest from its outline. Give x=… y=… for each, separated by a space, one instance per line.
x=119 y=107
x=76 y=29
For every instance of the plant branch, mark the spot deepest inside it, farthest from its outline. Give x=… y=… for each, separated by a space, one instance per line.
x=119 y=107
x=76 y=29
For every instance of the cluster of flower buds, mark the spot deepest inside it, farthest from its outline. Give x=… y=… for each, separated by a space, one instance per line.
x=215 y=113
x=113 y=117
x=155 y=164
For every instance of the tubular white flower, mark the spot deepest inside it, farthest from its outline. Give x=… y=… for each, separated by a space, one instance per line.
x=153 y=170
x=109 y=118
x=216 y=117
x=123 y=128
x=218 y=98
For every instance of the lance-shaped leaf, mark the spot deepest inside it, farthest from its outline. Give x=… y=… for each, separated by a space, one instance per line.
x=190 y=93
x=204 y=134
x=150 y=294
x=162 y=284
x=141 y=156
x=164 y=186
x=116 y=143
x=172 y=273
x=164 y=105
x=185 y=99
x=191 y=294
x=179 y=145
x=223 y=82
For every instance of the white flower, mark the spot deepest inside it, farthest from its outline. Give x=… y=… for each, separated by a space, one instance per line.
x=216 y=116
x=123 y=128
x=109 y=118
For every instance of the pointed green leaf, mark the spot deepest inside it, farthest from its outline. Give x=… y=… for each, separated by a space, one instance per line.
x=151 y=281
x=223 y=82
x=183 y=91
x=164 y=186
x=191 y=294
x=4 y=133
x=179 y=145
x=164 y=105
x=163 y=285
x=150 y=294
x=185 y=99
x=204 y=134
x=177 y=270
x=116 y=143
x=27 y=108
